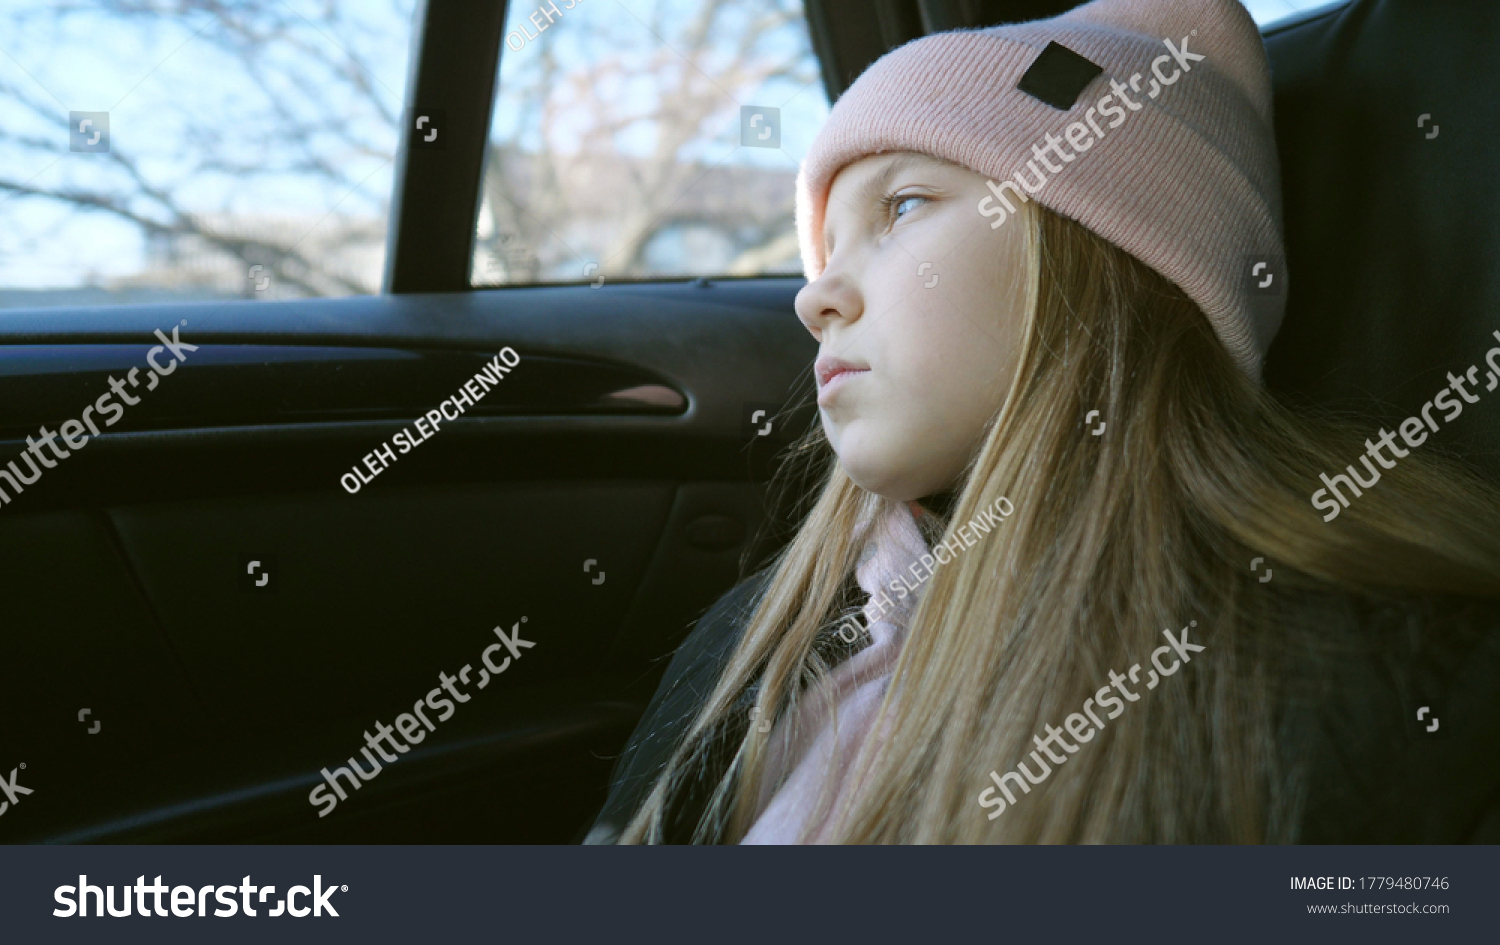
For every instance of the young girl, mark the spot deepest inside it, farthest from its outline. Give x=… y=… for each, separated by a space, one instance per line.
x=1101 y=598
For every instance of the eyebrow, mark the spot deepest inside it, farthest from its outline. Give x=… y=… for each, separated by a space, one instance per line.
x=875 y=187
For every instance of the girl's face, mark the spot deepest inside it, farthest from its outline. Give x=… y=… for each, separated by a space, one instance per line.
x=918 y=317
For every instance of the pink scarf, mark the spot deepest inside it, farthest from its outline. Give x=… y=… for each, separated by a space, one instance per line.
x=804 y=742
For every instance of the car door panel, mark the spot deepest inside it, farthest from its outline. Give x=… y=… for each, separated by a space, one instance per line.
x=221 y=701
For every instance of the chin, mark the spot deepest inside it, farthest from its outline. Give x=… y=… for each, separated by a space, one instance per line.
x=877 y=477
x=881 y=467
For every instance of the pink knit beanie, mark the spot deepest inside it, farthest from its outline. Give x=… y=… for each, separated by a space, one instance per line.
x=1148 y=121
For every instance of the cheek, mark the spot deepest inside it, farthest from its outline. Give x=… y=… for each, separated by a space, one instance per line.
x=936 y=375
x=949 y=394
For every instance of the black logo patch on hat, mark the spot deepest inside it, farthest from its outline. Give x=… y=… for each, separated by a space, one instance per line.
x=1058 y=75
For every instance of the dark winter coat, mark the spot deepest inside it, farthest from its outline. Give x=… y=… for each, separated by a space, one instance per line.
x=1375 y=773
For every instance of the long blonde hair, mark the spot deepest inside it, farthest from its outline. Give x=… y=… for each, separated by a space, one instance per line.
x=1113 y=538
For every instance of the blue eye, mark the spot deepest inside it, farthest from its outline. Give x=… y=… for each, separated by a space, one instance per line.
x=893 y=203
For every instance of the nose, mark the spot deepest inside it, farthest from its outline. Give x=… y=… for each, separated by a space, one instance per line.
x=829 y=298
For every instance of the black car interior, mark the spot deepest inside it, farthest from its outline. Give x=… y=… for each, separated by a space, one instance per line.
x=609 y=490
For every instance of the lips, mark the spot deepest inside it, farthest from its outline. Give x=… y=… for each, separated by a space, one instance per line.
x=833 y=374
x=828 y=368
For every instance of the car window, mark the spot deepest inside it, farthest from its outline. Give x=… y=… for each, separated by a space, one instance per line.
x=640 y=139
x=156 y=151
x=1267 y=12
